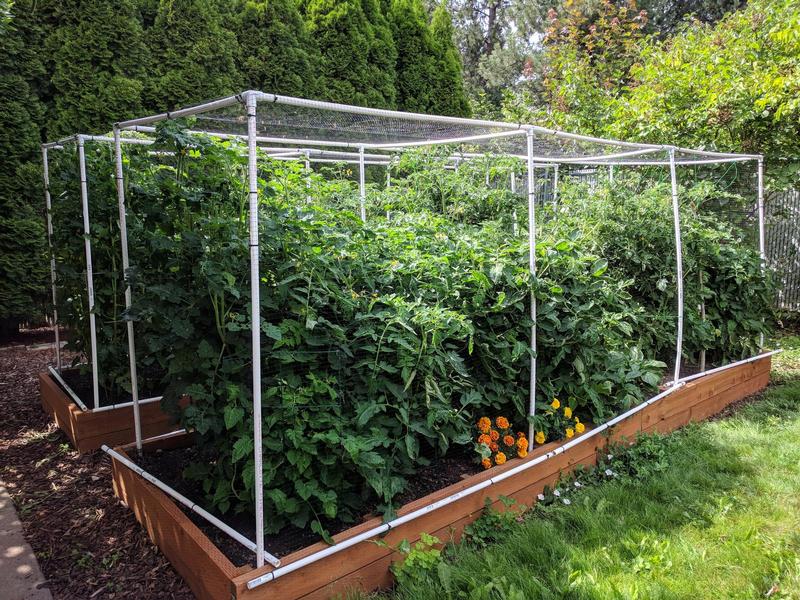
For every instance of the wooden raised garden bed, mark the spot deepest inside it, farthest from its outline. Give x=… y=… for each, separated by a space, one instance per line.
x=366 y=565
x=88 y=430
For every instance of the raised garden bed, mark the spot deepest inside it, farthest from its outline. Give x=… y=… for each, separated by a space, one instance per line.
x=88 y=429
x=365 y=565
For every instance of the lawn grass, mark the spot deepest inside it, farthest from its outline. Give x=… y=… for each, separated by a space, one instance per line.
x=719 y=519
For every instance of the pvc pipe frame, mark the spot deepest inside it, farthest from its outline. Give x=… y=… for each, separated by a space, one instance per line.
x=273 y=560
x=49 y=217
x=678 y=263
x=532 y=267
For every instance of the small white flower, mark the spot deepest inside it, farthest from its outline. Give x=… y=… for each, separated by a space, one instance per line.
x=610 y=457
x=556 y=493
x=566 y=501
x=609 y=472
x=578 y=484
x=540 y=497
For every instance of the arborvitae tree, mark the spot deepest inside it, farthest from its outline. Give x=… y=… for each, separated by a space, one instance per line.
x=100 y=61
x=382 y=54
x=193 y=55
x=416 y=65
x=275 y=52
x=23 y=261
x=346 y=39
x=448 y=94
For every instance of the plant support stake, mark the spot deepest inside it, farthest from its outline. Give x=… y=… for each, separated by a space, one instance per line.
x=678 y=264
x=762 y=244
x=255 y=323
x=123 y=238
x=362 y=188
x=87 y=246
x=532 y=267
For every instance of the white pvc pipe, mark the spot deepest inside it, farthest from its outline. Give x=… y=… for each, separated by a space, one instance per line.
x=678 y=264
x=68 y=389
x=762 y=245
x=345 y=544
x=444 y=142
x=49 y=217
x=255 y=323
x=555 y=184
x=362 y=188
x=123 y=236
x=125 y=404
x=184 y=112
x=273 y=560
x=514 y=219
x=87 y=246
x=308 y=176
x=532 y=267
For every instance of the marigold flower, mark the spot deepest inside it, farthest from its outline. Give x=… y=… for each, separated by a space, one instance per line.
x=484 y=439
x=500 y=458
x=520 y=434
x=508 y=440
x=568 y=412
x=495 y=435
x=522 y=452
x=522 y=443
x=580 y=427
x=487 y=463
x=502 y=423
x=555 y=404
x=494 y=447
x=570 y=432
x=539 y=439
x=484 y=424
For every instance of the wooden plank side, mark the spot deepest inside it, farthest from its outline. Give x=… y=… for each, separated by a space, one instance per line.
x=719 y=402
x=207 y=571
x=59 y=406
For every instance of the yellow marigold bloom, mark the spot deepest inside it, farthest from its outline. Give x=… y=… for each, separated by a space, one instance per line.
x=568 y=412
x=500 y=458
x=495 y=435
x=484 y=424
x=555 y=404
x=580 y=427
x=487 y=463
x=522 y=452
x=502 y=423
x=539 y=439
x=570 y=432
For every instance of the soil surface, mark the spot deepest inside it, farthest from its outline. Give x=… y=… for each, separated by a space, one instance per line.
x=80 y=380
x=168 y=466
x=88 y=545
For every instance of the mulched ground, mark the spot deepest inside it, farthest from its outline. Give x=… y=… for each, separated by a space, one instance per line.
x=87 y=543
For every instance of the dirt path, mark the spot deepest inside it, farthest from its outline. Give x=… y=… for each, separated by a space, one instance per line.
x=87 y=543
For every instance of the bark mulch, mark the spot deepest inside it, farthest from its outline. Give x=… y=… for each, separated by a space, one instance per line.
x=88 y=545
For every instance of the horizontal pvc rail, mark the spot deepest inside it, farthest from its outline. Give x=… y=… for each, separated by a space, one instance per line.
x=126 y=404
x=68 y=389
x=250 y=545
x=376 y=531
x=728 y=366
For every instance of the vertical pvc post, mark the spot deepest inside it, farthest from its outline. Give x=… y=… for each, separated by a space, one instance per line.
x=762 y=240
x=308 y=177
x=532 y=267
x=255 y=323
x=123 y=237
x=555 y=185
x=702 y=318
x=515 y=222
x=87 y=247
x=49 y=216
x=388 y=176
x=362 y=186
x=678 y=264
x=611 y=174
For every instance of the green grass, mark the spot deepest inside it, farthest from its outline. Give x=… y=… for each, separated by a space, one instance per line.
x=720 y=519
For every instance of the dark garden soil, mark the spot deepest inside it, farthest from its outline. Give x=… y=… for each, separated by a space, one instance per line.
x=168 y=465
x=87 y=543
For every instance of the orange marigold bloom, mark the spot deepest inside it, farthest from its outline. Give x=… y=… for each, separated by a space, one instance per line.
x=494 y=447
x=500 y=458
x=484 y=439
x=502 y=423
x=520 y=434
x=495 y=435
x=508 y=440
x=522 y=452
x=484 y=424
x=487 y=463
